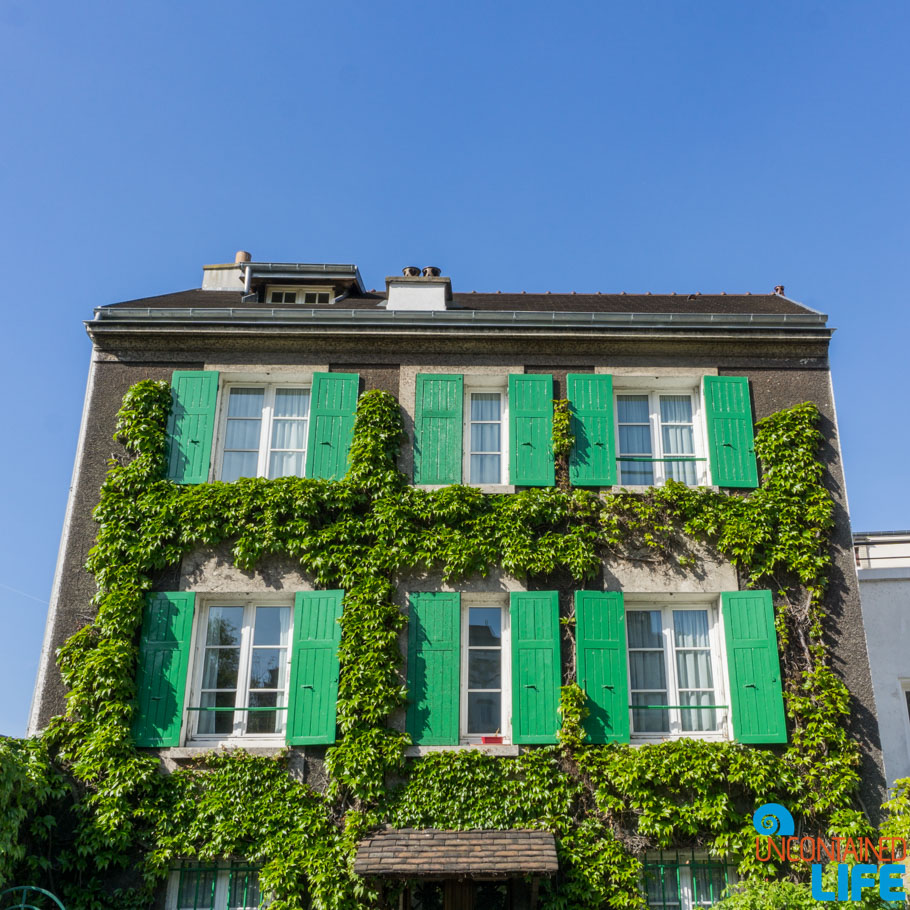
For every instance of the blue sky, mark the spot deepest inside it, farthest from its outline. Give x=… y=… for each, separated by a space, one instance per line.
x=662 y=146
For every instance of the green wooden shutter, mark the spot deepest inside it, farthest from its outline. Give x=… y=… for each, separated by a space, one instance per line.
x=731 y=444
x=191 y=425
x=434 y=668
x=531 y=430
x=438 y=429
x=753 y=664
x=536 y=668
x=164 y=655
x=314 y=668
x=333 y=403
x=592 y=462
x=600 y=643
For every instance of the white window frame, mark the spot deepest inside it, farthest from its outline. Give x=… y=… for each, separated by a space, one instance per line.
x=718 y=669
x=197 y=662
x=301 y=292
x=488 y=601
x=265 y=428
x=222 y=884
x=699 y=431
x=486 y=384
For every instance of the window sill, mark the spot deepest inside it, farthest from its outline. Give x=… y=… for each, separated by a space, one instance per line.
x=657 y=740
x=483 y=487
x=501 y=750
x=254 y=747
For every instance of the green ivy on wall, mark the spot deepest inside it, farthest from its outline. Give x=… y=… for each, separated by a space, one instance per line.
x=84 y=808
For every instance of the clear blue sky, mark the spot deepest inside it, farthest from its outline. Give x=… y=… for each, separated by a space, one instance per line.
x=662 y=146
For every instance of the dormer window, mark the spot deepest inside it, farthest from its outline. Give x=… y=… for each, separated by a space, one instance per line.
x=306 y=296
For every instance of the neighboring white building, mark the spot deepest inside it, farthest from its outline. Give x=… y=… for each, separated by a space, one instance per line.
x=883 y=565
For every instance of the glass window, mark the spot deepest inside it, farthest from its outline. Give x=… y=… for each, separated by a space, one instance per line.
x=485 y=437
x=657 y=439
x=265 y=432
x=484 y=678
x=672 y=655
x=215 y=887
x=684 y=881
x=242 y=688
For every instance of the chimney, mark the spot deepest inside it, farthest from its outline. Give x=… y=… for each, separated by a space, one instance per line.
x=419 y=292
x=228 y=276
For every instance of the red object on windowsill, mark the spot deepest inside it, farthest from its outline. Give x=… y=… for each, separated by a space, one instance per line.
x=491 y=740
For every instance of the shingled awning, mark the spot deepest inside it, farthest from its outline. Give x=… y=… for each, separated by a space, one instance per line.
x=430 y=852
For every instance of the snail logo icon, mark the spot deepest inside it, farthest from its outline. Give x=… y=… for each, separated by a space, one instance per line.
x=771 y=819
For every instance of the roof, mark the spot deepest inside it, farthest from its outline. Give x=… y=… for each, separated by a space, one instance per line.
x=735 y=304
x=429 y=852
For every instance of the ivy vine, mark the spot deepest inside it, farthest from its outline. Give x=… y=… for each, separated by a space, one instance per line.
x=86 y=812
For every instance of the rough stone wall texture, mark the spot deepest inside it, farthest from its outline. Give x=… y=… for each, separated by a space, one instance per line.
x=773 y=389
x=70 y=608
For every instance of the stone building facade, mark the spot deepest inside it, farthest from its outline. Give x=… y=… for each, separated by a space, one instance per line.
x=266 y=362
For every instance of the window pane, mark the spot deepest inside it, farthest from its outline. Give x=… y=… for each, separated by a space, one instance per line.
x=287 y=464
x=242 y=434
x=220 y=668
x=683 y=471
x=636 y=473
x=196 y=889
x=245 y=403
x=645 y=629
x=272 y=626
x=244 y=891
x=690 y=629
x=485 y=626
x=485 y=437
x=224 y=625
x=662 y=886
x=289 y=434
x=484 y=712
x=693 y=669
x=647 y=670
x=239 y=464
x=485 y=469
x=675 y=409
x=259 y=722
x=485 y=405
x=292 y=402
x=267 y=670
x=220 y=722
x=484 y=669
x=703 y=721
x=634 y=440
x=708 y=882
x=632 y=408
x=649 y=720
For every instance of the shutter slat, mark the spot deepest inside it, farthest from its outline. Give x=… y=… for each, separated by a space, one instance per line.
x=731 y=440
x=434 y=668
x=313 y=691
x=438 y=423
x=164 y=655
x=753 y=667
x=592 y=461
x=536 y=668
x=531 y=430
x=600 y=641
x=191 y=425
x=333 y=404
